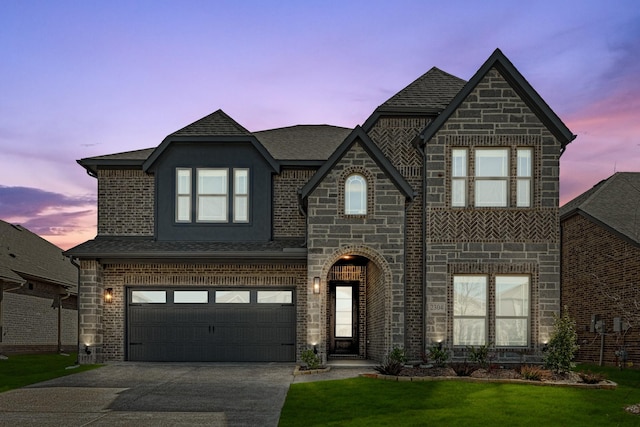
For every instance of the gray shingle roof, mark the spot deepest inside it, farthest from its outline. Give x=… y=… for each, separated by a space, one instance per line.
x=217 y=123
x=114 y=247
x=614 y=202
x=433 y=90
x=302 y=142
x=24 y=255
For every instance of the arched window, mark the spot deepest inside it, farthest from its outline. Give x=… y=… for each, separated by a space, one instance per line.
x=355 y=195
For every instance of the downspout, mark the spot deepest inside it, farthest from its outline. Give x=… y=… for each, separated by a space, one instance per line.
x=60 y=299
x=304 y=214
x=404 y=248
x=423 y=154
x=77 y=311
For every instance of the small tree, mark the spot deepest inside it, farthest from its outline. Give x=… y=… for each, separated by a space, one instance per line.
x=563 y=344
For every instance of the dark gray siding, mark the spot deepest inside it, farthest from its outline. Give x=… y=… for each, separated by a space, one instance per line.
x=213 y=155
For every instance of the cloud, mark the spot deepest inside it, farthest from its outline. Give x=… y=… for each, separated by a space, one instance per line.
x=62 y=219
x=29 y=202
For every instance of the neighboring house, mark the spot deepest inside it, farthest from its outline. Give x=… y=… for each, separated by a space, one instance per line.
x=436 y=221
x=601 y=269
x=38 y=294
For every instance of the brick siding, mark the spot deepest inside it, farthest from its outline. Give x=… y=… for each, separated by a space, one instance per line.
x=125 y=203
x=598 y=266
x=287 y=219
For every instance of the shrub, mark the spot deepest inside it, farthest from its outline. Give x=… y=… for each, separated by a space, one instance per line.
x=480 y=355
x=393 y=362
x=311 y=359
x=533 y=373
x=563 y=344
x=592 y=377
x=439 y=355
x=463 y=369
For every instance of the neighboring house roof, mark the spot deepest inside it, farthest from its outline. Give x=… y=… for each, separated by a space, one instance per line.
x=358 y=135
x=216 y=127
x=303 y=142
x=429 y=94
x=25 y=255
x=147 y=248
x=613 y=203
x=522 y=88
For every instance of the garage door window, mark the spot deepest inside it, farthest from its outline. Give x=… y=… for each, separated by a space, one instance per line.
x=190 y=297
x=149 y=297
x=275 y=297
x=233 y=297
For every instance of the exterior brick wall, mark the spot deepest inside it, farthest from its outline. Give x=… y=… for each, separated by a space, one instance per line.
x=30 y=324
x=379 y=236
x=120 y=276
x=601 y=276
x=375 y=302
x=394 y=136
x=287 y=219
x=90 y=303
x=125 y=203
x=481 y=240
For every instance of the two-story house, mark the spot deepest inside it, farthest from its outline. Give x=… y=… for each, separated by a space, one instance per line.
x=436 y=221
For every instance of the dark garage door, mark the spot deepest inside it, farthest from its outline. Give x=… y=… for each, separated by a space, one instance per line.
x=212 y=325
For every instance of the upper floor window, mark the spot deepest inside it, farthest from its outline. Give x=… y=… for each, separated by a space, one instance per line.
x=216 y=196
x=355 y=195
x=493 y=179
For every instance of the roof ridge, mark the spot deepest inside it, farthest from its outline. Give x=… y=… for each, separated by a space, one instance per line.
x=217 y=123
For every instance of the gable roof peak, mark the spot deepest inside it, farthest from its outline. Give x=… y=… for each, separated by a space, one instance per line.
x=217 y=123
x=519 y=84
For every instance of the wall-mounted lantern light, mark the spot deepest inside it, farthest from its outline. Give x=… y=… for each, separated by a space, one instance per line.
x=108 y=295
x=87 y=350
x=316 y=285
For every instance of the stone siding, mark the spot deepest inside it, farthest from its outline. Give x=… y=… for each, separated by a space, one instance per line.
x=493 y=240
x=125 y=203
x=601 y=276
x=379 y=236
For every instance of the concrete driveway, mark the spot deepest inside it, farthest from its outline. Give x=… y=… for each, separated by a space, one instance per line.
x=154 y=394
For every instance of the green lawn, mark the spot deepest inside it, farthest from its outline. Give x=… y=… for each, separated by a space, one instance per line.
x=21 y=370
x=373 y=402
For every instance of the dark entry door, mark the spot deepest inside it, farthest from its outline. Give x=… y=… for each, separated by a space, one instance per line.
x=343 y=318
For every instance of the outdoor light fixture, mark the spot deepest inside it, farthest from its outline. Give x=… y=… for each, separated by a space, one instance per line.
x=108 y=295
x=315 y=349
x=87 y=350
x=316 y=285
x=545 y=346
x=439 y=344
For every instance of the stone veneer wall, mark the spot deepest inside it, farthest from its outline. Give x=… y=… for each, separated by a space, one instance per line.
x=378 y=236
x=120 y=276
x=287 y=219
x=394 y=136
x=493 y=240
x=599 y=267
x=125 y=203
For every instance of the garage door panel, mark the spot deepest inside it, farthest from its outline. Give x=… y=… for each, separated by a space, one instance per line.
x=222 y=332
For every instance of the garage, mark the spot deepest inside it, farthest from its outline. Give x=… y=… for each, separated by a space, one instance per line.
x=211 y=325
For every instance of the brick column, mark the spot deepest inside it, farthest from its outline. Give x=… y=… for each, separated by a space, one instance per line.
x=90 y=305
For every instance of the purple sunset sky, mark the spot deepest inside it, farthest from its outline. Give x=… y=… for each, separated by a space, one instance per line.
x=81 y=79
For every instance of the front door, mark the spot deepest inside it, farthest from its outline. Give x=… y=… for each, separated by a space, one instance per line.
x=343 y=319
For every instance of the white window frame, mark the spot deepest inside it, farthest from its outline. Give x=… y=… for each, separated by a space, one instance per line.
x=183 y=196
x=202 y=196
x=466 y=317
x=241 y=196
x=520 y=310
x=355 y=188
x=459 y=177
x=496 y=193
x=524 y=177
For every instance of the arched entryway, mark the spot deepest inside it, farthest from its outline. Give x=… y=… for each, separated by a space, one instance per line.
x=357 y=312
